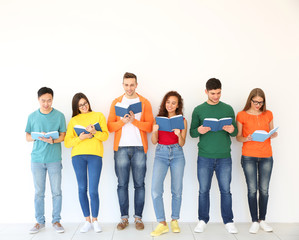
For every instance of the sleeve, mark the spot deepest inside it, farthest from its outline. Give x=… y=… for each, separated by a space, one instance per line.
x=71 y=139
x=102 y=135
x=147 y=124
x=235 y=132
x=195 y=123
x=62 y=125
x=114 y=123
x=270 y=115
x=240 y=118
x=28 y=126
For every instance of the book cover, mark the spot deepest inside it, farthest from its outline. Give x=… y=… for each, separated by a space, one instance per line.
x=168 y=124
x=261 y=135
x=216 y=124
x=123 y=109
x=79 y=129
x=53 y=134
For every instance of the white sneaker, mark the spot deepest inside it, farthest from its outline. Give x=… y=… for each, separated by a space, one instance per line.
x=96 y=227
x=86 y=227
x=254 y=227
x=265 y=226
x=231 y=228
x=200 y=227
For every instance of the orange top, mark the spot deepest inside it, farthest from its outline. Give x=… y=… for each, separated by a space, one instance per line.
x=250 y=124
x=145 y=124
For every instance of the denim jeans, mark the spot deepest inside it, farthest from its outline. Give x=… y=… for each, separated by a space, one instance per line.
x=168 y=156
x=125 y=159
x=39 y=172
x=205 y=170
x=257 y=173
x=93 y=165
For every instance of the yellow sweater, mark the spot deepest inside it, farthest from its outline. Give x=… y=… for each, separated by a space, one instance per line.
x=92 y=146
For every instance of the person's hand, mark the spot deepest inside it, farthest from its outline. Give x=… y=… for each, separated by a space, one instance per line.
x=177 y=132
x=132 y=116
x=228 y=128
x=203 y=130
x=126 y=119
x=47 y=140
x=274 y=135
x=90 y=128
x=248 y=138
x=155 y=127
x=83 y=135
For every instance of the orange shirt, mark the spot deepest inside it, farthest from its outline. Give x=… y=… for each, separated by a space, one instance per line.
x=250 y=124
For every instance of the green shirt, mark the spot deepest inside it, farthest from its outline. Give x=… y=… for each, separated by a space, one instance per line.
x=213 y=144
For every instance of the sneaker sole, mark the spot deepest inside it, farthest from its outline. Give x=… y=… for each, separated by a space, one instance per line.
x=156 y=235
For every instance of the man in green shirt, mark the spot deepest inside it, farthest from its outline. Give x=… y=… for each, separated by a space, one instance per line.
x=214 y=155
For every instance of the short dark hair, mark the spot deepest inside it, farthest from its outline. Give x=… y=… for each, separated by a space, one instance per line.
x=130 y=75
x=213 y=83
x=44 y=90
x=75 y=103
x=163 y=111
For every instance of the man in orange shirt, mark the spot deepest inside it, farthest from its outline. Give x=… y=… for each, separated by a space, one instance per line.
x=130 y=148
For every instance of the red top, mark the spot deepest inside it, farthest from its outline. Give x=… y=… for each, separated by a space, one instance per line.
x=167 y=138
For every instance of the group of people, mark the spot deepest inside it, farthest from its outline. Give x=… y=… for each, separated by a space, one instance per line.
x=130 y=154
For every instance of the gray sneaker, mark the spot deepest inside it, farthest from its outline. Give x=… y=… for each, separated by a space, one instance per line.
x=37 y=227
x=58 y=227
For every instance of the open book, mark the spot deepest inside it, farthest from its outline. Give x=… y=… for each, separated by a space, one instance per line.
x=215 y=124
x=261 y=135
x=79 y=129
x=122 y=109
x=36 y=135
x=168 y=124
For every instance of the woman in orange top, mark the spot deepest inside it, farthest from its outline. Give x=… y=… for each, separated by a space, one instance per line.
x=256 y=158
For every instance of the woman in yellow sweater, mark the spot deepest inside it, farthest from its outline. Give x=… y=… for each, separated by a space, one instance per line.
x=85 y=133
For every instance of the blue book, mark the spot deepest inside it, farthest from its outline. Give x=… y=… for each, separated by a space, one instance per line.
x=36 y=135
x=261 y=135
x=216 y=124
x=168 y=124
x=122 y=109
x=79 y=129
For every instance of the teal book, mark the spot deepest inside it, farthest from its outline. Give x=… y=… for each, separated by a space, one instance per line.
x=216 y=124
x=168 y=124
x=122 y=109
x=36 y=135
x=79 y=129
x=261 y=135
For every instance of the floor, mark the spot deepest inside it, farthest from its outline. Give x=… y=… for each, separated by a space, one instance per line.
x=214 y=231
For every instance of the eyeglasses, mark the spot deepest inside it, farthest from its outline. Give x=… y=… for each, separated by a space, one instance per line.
x=82 y=105
x=257 y=103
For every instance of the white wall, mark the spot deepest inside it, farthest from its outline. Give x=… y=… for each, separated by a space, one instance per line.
x=86 y=46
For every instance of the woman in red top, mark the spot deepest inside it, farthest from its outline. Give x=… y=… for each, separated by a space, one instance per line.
x=169 y=154
x=256 y=158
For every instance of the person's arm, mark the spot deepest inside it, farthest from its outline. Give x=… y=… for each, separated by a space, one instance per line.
x=60 y=139
x=181 y=134
x=239 y=136
x=71 y=139
x=28 y=137
x=155 y=134
x=147 y=124
x=271 y=126
x=196 y=128
x=114 y=123
x=231 y=129
x=100 y=135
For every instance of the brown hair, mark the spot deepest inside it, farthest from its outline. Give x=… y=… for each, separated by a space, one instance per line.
x=130 y=75
x=163 y=111
x=75 y=103
x=256 y=92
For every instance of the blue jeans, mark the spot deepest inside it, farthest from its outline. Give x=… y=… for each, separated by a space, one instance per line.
x=125 y=158
x=257 y=173
x=93 y=165
x=205 y=170
x=168 y=156
x=39 y=172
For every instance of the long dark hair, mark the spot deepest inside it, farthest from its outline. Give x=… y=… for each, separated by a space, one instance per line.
x=163 y=111
x=75 y=103
x=256 y=92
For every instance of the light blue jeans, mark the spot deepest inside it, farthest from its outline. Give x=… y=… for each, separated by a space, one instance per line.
x=39 y=172
x=168 y=156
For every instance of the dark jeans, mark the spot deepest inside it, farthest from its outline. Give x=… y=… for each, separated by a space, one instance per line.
x=125 y=159
x=257 y=173
x=92 y=164
x=205 y=170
